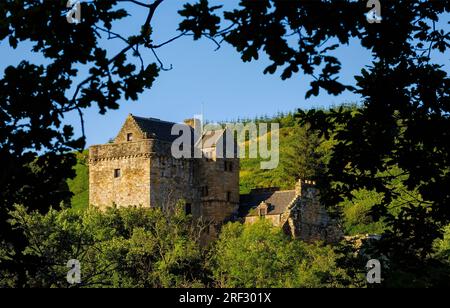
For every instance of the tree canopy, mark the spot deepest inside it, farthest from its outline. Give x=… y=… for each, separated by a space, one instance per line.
x=128 y=247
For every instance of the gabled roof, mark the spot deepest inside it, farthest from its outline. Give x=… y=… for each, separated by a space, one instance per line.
x=155 y=128
x=278 y=202
x=162 y=130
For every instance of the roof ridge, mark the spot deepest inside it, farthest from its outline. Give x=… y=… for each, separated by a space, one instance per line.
x=152 y=119
x=269 y=192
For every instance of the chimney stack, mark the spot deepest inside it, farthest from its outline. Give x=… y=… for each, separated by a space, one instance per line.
x=190 y=122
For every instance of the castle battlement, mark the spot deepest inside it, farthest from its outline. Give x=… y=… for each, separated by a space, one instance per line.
x=110 y=151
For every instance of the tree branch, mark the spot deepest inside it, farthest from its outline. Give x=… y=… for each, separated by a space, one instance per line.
x=168 y=41
x=141 y=40
x=136 y=2
x=161 y=65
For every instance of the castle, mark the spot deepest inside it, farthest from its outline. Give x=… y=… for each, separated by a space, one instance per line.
x=138 y=168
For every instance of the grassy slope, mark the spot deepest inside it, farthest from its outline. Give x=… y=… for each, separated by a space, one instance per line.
x=79 y=186
x=252 y=176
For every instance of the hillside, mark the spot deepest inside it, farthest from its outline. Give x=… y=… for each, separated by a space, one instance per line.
x=252 y=176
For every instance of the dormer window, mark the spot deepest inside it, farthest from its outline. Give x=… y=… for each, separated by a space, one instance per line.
x=129 y=137
x=262 y=212
x=262 y=209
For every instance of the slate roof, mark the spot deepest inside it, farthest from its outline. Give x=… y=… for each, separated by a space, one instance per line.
x=162 y=130
x=156 y=128
x=278 y=202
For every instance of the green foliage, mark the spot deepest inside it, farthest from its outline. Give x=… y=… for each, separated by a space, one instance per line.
x=137 y=247
x=302 y=155
x=125 y=247
x=8 y=276
x=357 y=213
x=442 y=246
x=403 y=123
x=260 y=255
x=252 y=176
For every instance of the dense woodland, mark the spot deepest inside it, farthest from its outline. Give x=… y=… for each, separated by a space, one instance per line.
x=382 y=166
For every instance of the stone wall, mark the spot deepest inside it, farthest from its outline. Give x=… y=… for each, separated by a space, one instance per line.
x=222 y=198
x=275 y=220
x=131 y=187
x=308 y=220
x=172 y=180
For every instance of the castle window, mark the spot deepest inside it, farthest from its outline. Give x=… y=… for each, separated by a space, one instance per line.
x=117 y=173
x=204 y=191
x=188 y=209
x=228 y=196
x=228 y=166
x=129 y=137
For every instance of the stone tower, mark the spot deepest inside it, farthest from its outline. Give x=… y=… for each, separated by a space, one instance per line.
x=138 y=169
x=218 y=179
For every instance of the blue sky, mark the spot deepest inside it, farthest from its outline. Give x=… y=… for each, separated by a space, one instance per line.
x=226 y=87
